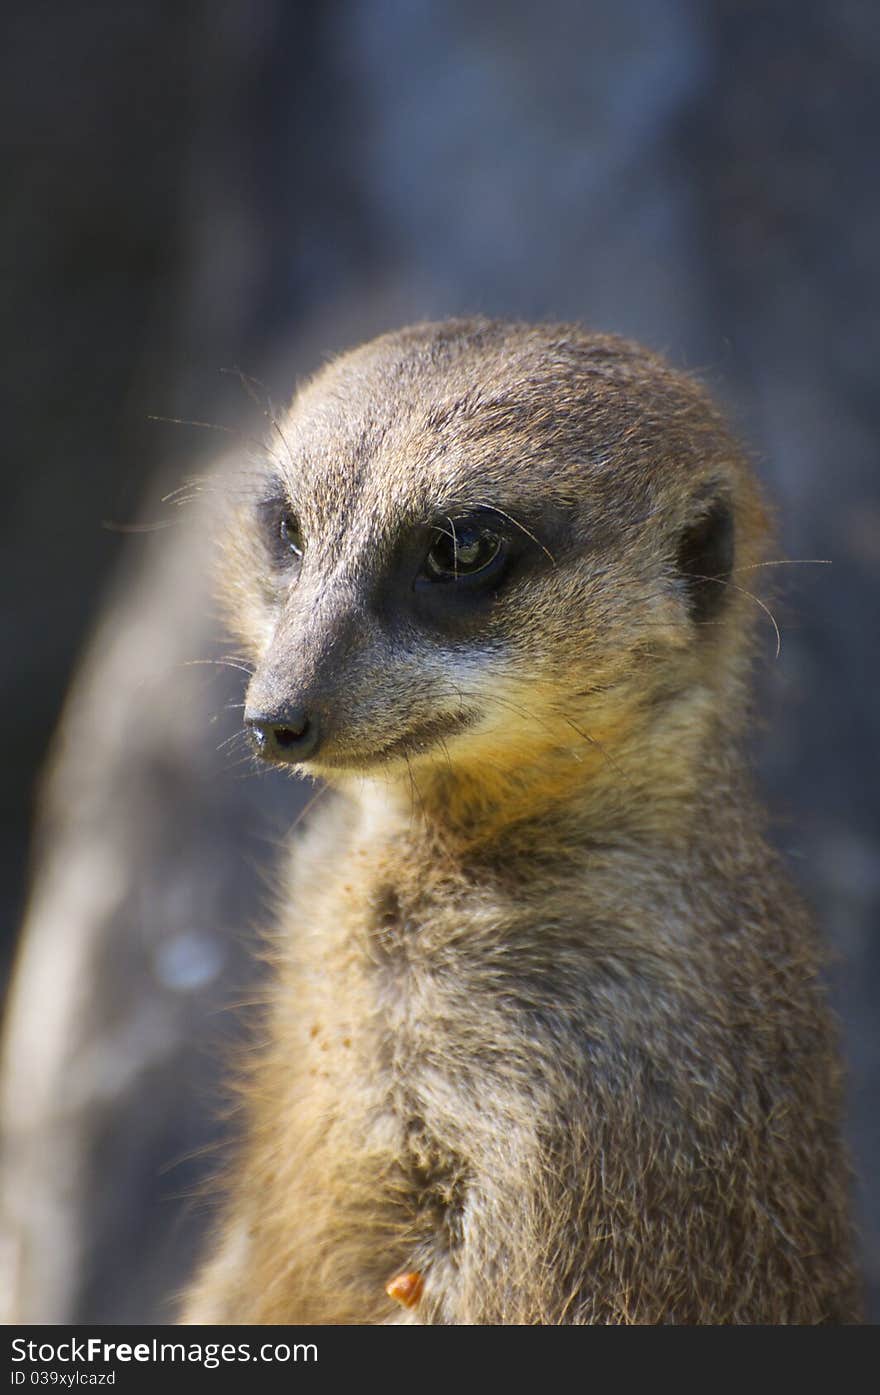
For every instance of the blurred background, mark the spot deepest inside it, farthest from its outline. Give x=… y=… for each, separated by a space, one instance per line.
x=203 y=186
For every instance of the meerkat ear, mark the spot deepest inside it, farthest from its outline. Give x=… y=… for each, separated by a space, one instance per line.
x=705 y=558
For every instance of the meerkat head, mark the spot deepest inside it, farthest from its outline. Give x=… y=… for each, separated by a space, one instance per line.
x=495 y=555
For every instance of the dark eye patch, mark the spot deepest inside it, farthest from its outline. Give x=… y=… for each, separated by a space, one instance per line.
x=461 y=561
x=704 y=560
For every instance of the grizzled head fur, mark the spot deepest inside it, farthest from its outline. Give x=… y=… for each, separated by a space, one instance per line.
x=500 y=559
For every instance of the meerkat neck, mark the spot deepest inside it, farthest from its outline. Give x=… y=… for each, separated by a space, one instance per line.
x=649 y=789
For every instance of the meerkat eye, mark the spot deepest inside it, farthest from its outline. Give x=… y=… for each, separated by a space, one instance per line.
x=463 y=551
x=282 y=533
x=290 y=535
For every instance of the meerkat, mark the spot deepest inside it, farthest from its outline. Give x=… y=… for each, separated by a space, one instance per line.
x=546 y=1041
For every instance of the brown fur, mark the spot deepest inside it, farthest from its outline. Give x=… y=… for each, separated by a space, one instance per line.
x=546 y=1038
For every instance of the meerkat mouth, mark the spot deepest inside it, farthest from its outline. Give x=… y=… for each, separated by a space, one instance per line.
x=418 y=740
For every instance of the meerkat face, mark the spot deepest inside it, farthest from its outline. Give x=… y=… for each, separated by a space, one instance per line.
x=485 y=546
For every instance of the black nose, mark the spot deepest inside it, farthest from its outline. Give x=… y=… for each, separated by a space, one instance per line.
x=290 y=736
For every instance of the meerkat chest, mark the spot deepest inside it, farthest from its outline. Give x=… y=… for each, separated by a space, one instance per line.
x=377 y=980
x=399 y=1022
x=381 y=1065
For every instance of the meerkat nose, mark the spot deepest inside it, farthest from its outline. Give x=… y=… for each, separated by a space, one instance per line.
x=290 y=736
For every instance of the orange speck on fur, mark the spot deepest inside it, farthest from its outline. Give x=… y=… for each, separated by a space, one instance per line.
x=406 y=1288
